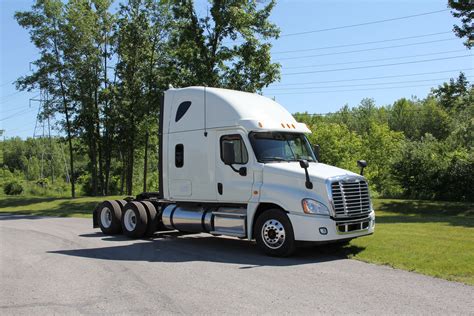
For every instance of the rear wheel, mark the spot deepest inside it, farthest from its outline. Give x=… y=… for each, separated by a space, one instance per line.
x=109 y=216
x=274 y=233
x=152 y=218
x=121 y=202
x=134 y=220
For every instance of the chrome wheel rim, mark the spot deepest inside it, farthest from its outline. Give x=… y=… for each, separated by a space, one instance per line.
x=106 y=217
x=130 y=220
x=273 y=234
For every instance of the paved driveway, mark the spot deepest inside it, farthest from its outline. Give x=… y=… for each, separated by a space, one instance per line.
x=62 y=265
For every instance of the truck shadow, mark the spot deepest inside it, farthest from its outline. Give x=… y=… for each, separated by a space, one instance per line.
x=174 y=248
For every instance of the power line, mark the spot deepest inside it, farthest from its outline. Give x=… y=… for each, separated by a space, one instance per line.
x=373 y=78
x=367 y=49
x=13 y=109
x=365 y=23
x=375 y=66
x=10 y=95
x=361 y=85
x=351 y=90
x=14 y=115
x=6 y=83
x=359 y=44
x=18 y=130
x=371 y=60
x=339 y=112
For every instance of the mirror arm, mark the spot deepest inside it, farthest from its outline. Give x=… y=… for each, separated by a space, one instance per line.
x=233 y=168
x=242 y=170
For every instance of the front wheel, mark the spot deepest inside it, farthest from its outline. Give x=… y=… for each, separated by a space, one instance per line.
x=274 y=233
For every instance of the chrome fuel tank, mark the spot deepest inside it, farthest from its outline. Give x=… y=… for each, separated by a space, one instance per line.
x=224 y=220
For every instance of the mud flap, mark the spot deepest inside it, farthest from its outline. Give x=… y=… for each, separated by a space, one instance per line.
x=95 y=219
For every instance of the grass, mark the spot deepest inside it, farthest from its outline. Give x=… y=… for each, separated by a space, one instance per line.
x=430 y=237
x=51 y=206
x=433 y=238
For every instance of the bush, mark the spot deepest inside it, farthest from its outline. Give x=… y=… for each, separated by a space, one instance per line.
x=46 y=188
x=13 y=188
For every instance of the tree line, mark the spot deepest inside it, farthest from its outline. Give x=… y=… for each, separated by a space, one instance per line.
x=415 y=148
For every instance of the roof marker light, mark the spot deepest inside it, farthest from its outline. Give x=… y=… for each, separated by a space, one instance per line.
x=288 y=125
x=260 y=124
x=282 y=125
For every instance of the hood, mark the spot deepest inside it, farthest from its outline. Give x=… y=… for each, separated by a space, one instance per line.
x=317 y=171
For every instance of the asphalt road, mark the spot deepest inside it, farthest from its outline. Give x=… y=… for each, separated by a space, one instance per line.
x=63 y=266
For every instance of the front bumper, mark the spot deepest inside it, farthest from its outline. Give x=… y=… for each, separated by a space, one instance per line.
x=323 y=228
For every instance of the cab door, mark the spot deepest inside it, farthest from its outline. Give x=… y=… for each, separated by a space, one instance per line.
x=232 y=186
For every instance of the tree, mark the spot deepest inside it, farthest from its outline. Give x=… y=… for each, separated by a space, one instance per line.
x=463 y=9
x=339 y=146
x=46 y=24
x=403 y=117
x=433 y=119
x=141 y=53
x=450 y=93
x=226 y=48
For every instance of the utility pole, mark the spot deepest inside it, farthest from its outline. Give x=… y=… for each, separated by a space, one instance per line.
x=51 y=148
x=44 y=123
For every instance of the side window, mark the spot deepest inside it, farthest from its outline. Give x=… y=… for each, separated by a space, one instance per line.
x=241 y=155
x=182 y=109
x=179 y=156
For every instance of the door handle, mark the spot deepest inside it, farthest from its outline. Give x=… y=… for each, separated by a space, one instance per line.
x=219 y=188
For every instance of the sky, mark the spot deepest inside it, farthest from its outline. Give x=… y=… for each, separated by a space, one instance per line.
x=327 y=62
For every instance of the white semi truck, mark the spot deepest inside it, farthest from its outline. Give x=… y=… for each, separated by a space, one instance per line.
x=238 y=164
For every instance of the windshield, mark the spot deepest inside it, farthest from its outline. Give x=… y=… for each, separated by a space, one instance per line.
x=281 y=146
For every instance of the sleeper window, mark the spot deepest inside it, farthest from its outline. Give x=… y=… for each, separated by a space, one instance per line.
x=179 y=156
x=182 y=109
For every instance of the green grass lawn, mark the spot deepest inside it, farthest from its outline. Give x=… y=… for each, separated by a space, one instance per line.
x=51 y=206
x=433 y=238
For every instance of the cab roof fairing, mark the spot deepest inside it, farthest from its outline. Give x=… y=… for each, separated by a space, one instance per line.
x=226 y=108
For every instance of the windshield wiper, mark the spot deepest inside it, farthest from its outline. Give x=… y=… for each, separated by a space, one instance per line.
x=273 y=159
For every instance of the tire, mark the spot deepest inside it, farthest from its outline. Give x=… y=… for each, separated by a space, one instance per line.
x=152 y=217
x=109 y=216
x=274 y=233
x=121 y=202
x=134 y=220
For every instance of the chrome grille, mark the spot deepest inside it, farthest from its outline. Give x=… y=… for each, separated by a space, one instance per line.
x=350 y=197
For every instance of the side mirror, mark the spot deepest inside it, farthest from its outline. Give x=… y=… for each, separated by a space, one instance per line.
x=304 y=163
x=361 y=164
x=229 y=154
x=316 y=150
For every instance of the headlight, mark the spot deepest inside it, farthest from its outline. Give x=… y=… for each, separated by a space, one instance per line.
x=314 y=207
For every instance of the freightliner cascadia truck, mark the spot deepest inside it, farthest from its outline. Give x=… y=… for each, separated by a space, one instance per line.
x=238 y=164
